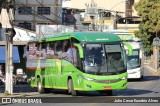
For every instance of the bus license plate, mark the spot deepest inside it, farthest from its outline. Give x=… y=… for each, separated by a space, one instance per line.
x=107 y=88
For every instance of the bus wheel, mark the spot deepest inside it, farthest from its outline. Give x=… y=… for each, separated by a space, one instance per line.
x=39 y=86
x=141 y=78
x=71 y=88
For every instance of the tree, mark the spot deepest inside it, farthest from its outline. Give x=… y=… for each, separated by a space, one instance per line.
x=1 y=2
x=149 y=11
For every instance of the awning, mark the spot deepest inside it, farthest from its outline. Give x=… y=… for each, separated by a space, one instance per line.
x=15 y=43
x=3 y=54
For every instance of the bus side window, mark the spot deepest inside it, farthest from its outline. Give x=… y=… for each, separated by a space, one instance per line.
x=26 y=52
x=72 y=54
x=66 y=45
x=43 y=51
x=50 y=50
x=65 y=48
x=59 y=48
x=38 y=49
x=32 y=51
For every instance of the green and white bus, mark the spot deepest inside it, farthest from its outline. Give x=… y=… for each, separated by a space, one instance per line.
x=77 y=61
x=134 y=53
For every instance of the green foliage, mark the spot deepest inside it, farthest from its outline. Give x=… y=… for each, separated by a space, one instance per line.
x=149 y=11
x=1 y=2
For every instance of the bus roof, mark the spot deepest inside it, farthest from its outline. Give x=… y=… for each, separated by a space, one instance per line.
x=85 y=37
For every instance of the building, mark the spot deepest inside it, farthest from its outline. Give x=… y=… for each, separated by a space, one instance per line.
x=29 y=13
x=110 y=14
x=123 y=6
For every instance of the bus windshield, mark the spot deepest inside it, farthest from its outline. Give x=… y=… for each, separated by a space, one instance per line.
x=133 y=61
x=104 y=59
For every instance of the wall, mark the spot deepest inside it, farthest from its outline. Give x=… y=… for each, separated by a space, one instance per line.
x=35 y=18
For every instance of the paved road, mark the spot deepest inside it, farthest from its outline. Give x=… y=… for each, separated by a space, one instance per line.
x=148 y=87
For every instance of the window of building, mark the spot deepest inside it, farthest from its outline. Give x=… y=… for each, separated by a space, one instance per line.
x=44 y=10
x=25 y=25
x=25 y=10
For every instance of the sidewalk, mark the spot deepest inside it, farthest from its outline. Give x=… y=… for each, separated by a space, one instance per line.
x=149 y=66
x=27 y=94
x=20 y=90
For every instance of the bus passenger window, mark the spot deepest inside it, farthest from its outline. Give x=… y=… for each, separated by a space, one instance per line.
x=59 y=48
x=65 y=48
x=27 y=52
x=72 y=54
x=38 y=50
x=50 y=50
x=43 y=51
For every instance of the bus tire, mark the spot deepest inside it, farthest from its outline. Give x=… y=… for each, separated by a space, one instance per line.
x=39 y=86
x=71 y=88
x=141 y=78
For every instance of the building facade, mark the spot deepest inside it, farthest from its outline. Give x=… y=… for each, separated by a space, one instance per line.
x=29 y=13
x=123 y=6
x=110 y=14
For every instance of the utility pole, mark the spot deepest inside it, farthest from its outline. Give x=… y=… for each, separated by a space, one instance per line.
x=92 y=10
x=6 y=21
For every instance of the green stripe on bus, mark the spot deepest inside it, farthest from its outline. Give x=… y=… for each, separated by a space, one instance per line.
x=130 y=49
x=80 y=49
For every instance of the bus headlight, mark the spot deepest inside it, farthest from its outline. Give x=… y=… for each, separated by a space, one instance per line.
x=123 y=78
x=86 y=78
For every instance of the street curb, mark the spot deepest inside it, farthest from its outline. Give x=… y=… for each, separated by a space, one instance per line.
x=18 y=94
x=151 y=68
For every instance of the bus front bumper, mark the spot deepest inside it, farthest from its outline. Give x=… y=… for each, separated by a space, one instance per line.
x=135 y=73
x=94 y=86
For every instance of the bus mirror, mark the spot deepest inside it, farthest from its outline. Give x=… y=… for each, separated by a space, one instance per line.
x=80 y=49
